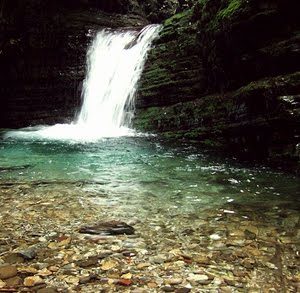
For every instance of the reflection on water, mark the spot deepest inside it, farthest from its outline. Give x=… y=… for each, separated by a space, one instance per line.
x=140 y=168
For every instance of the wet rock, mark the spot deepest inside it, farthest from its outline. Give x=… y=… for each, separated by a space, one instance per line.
x=239 y=273
x=270 y=266
x=14 y=282
x=127 y=276
x=108 y=228
x=47 y=290
x=139 y=290
x=124 y=282
x=45 y=272
x=8 y=271
x=174 y=281
x=141 y=266
x=198 y=279
x=33 y=281
x=27 y=270
x=28 y=254
x=109 y=264
x=13 y=258
x=168 y=289
x=72 y=280
x=152 y=285
x=230 y=281
x=249 y=263
x=201 y=259
x=91 y=261
x=159 y=259
x=87 y=279
x=183 y=290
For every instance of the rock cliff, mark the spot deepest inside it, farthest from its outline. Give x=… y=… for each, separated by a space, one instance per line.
x=226 y=73
x=43 y=45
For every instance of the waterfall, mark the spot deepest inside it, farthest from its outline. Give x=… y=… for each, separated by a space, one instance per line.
x=115 y=62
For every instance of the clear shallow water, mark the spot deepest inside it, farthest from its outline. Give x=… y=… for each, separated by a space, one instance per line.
x=143 y=168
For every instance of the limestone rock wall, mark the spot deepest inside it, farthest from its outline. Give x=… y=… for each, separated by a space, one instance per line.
x=173 y=71
x=238 y=87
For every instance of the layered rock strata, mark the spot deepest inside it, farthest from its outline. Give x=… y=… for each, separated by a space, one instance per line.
x=226 y=73
x=43 y=46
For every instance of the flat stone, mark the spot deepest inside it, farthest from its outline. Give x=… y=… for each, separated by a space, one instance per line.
x=141 y=266
x=174 y=281
x=45 y=272
x=14 y=282
x=196 y=278
x=84 y=280
x=33 y=281
x=139 y=290
x=127 y=276
x=124 y=282
x=108 y=228
x=109 y=264
x=159 y=259
x=91 y=261
x=27 y=270
x=47 y=290
x=152 y=285
x=13 y=258
x=168 y=289
x=183 y=290
x=8 y=271
x=202 y=259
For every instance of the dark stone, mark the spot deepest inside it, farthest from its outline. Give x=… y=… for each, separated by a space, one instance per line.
x=92 y=261
x=168 y=289
x=90 y=278
x=108 y=228
x=183 y=290
x=28 y=254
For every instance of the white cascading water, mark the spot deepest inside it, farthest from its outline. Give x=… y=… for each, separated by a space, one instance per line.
x=115 y=62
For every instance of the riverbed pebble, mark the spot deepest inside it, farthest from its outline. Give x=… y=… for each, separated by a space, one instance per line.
x=212 y=251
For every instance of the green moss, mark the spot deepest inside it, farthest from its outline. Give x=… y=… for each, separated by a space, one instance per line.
x=232 y=8
x=214 y=14
x=179 y=18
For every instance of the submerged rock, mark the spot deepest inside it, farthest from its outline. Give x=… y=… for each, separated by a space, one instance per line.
x=108 y=228
x=8 y=271
x=33 y=281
